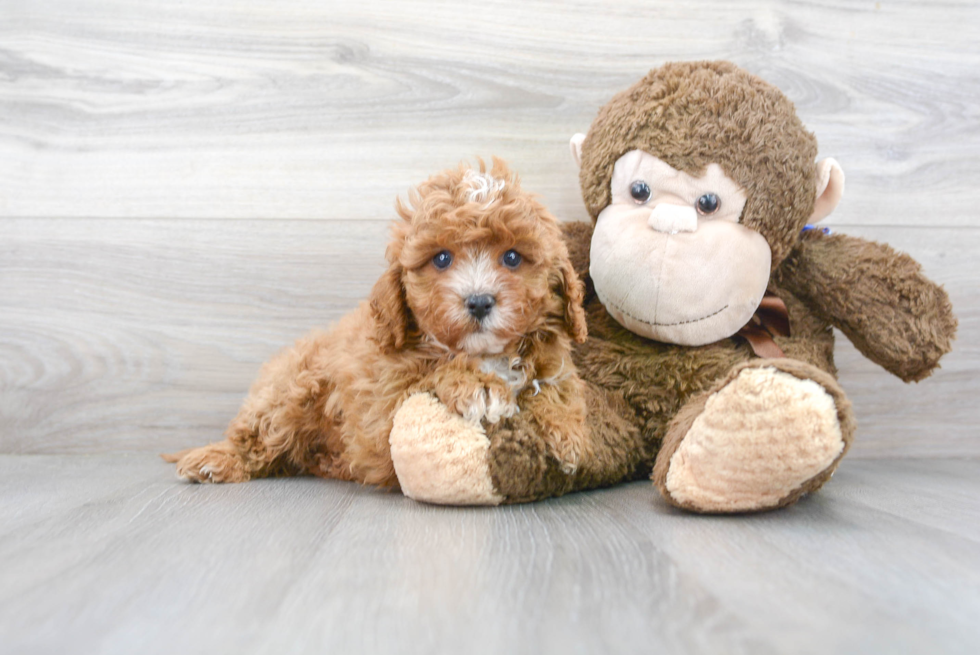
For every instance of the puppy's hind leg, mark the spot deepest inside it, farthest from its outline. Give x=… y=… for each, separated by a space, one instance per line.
x=278 y=429
x=217 y=462
x=260 y=442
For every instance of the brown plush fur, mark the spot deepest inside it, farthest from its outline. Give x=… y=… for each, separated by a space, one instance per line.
x=641 y=392
x=522 y=468
x=878 y=298
x=325 y=407
x=691 y=114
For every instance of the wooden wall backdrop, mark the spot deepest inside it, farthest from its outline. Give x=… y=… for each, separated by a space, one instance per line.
x=186 y=187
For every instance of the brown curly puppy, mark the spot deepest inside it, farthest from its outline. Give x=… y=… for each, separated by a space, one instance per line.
x=479 y=306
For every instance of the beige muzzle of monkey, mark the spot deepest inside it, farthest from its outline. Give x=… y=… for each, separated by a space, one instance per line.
x=671 y=218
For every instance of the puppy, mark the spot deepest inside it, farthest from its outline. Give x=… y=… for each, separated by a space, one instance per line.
x=479 y=306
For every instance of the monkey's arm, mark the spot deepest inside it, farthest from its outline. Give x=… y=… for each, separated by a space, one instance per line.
x=877 y=297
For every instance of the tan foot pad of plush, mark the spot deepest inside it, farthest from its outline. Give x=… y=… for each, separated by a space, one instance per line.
x=758 y=439
x=439 y=457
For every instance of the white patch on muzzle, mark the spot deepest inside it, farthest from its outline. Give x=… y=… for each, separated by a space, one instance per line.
x=475 y=277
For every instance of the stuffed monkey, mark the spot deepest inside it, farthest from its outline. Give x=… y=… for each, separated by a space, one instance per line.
x=710 y=300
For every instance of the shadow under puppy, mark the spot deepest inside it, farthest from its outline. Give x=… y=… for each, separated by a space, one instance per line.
x=478 y=306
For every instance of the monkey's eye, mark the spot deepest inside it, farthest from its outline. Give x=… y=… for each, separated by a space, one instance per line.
x=512 y=259
x=443 y=260
x=640 y=191
x=708 y=204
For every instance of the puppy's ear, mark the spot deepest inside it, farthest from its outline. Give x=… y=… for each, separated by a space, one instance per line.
x=389 y=309
x=573 y=293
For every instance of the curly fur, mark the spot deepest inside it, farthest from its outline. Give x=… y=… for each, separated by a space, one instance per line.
x=325 y=406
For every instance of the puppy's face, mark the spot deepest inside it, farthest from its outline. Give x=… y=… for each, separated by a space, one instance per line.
x=482 y=263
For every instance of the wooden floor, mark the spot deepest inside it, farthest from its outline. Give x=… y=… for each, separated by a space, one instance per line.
x=113 y=555
x=187 y=187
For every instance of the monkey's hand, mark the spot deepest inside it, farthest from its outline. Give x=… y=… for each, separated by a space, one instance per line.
x=877 y=297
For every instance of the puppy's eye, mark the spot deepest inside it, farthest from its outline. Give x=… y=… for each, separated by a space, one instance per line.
x=443 y=260
x=512 y=259
x=708 y=204
x=640 y=191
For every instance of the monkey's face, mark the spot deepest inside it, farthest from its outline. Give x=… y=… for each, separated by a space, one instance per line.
x=670 y=260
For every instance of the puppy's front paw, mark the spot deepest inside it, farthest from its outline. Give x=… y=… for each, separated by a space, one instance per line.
x=500 y=404
x=477 y=398
x=489 y=403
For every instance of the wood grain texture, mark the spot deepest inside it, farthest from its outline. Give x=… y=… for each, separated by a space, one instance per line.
x=145 y=335
x=110 y=554
x=154 y=158
x=162 y=114
x=242 y=109
x=159 y=327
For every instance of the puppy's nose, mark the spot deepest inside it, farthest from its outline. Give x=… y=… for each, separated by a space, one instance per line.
x=480 y=306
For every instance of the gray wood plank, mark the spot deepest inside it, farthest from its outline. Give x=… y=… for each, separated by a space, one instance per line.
x=159 y=327
x=110 y=554
x=145 y=335
x=227 y=108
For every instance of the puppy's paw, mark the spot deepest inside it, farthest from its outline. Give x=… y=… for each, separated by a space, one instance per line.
x=214 y=463
x=500 y=404
x=489 y=403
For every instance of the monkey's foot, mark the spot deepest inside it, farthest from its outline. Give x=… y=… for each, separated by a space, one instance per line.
x=217 y=462
x=770 y=432
x=439 y=456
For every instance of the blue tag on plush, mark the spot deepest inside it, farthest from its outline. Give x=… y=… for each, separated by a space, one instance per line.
x=808 y=227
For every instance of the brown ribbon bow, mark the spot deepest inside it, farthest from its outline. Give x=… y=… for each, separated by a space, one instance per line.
x=770 y=319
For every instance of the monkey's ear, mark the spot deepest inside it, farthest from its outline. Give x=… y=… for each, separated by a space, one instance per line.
x=576 y=145
x=573 y=294
x=830 y=188
x=389 y=309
